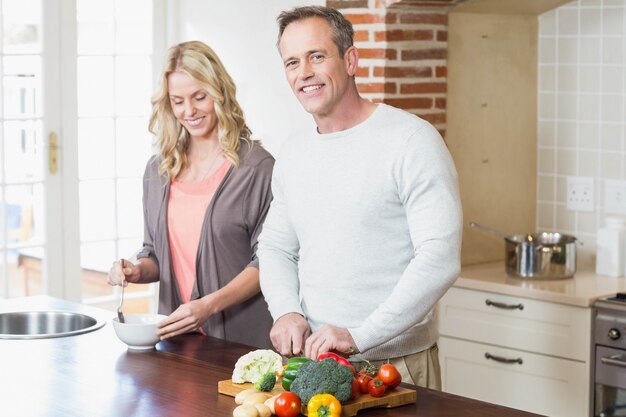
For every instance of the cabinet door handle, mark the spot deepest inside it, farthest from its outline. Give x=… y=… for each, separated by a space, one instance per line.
x=519 y=306
x=503 y=360
x=613 y=360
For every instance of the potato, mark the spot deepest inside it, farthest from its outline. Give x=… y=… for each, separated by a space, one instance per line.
x=256 y=398
x=263 y=410
x=245 y=410
x=239 y=398
x=269 y=403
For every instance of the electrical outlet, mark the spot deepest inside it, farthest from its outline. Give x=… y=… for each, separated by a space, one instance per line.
x=615 y=197
x=580 y=194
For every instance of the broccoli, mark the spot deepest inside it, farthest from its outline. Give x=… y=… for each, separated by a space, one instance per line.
x=323 y=377
x=266 y=382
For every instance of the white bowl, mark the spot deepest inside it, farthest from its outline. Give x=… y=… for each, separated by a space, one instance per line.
x=138 y=331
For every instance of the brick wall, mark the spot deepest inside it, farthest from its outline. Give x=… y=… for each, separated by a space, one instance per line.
x=403 y=53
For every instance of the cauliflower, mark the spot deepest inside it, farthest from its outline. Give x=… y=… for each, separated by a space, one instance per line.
x=253 y=365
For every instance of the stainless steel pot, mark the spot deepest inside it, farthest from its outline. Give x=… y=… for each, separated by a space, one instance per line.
x=543 y=255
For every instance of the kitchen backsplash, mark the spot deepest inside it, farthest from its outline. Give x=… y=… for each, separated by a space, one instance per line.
x=581 y=112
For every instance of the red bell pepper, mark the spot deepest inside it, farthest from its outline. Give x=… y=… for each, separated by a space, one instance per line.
x=340 y=360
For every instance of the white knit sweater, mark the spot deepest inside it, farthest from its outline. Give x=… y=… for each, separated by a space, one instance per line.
x=364 y=232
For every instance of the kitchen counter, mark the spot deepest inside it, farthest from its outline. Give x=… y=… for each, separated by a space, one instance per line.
x=581 y=290
x=95 y=375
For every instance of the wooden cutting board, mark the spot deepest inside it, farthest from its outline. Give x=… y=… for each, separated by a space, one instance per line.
x=394 y=398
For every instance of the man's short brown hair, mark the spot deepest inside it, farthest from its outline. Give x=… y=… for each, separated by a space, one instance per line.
x=343 y=33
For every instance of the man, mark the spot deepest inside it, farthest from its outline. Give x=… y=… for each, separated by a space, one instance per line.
x=363 y=235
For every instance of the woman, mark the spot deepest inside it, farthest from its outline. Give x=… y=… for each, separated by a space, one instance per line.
x=206 y=194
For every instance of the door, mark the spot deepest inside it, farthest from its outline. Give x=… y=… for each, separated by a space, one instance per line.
x=27 y=185
x=76 y=85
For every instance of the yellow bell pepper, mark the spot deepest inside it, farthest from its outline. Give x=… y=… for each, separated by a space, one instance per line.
x=324 y=405
x=281 y=373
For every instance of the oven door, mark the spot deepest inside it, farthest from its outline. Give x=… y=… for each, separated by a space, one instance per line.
x=610 y=382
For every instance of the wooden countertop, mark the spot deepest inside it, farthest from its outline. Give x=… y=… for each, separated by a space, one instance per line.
x=95 y=375
x=581 y=290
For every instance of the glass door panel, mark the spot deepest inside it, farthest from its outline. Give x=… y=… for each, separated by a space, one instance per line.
x=132 y=87
x=22 y=173
x=95 y=86
x=23 y=151
x=21 y=23
x=132 y=140
x=114 y=88
x=95 y=147
x=101 y=105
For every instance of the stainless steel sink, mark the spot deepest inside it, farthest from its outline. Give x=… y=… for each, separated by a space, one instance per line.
x=45 y=324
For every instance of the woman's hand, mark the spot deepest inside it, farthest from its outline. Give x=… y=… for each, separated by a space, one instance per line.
x=186 y=318
x=122 y=272
x=189 y=317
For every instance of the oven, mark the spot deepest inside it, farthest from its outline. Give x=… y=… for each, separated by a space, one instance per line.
x=608 y=377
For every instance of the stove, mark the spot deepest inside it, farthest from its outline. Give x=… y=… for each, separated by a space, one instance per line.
x=609 y=357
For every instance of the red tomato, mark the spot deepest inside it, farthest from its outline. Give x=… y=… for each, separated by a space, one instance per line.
x=370 y=370
x=363 y=380
x=376 y=388
x=389 y=375
x=287 y=404
x=355 y=389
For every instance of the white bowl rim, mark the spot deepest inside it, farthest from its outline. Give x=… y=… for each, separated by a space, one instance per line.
x=157 y=318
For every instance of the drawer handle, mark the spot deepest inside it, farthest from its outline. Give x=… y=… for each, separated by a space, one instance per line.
x=613 y=360
x=503 y=360
x=519 y=306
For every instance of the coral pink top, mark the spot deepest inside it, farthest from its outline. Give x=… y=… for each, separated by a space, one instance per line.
x=187 y=206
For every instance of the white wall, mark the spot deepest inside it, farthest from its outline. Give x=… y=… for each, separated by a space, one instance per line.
x=582 y=111
x=243 y=33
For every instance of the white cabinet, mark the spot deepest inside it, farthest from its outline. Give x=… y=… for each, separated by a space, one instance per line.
x=517 y=352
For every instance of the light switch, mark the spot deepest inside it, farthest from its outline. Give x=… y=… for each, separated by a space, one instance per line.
x=615 y=197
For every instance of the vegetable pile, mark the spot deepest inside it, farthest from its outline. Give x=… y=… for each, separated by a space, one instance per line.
x=323 y=377
x=320 y=385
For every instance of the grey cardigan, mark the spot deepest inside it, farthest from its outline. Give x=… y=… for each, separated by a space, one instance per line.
x=228 y=242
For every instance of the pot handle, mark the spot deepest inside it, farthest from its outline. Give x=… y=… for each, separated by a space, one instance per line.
x=488 y=229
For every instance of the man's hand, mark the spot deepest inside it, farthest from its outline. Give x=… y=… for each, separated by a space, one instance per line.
x=330 y=339
x=289 y=333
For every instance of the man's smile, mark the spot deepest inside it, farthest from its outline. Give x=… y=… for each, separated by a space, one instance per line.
x=309 y=88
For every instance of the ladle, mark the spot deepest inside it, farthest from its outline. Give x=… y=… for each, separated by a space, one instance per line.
x=132 y=259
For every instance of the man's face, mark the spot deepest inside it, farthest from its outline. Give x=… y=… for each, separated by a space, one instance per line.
x=316 y=72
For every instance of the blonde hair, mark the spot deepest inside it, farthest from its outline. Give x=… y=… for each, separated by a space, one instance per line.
x=202 y=64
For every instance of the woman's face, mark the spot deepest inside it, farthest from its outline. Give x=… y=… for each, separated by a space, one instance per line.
x=192 y=105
